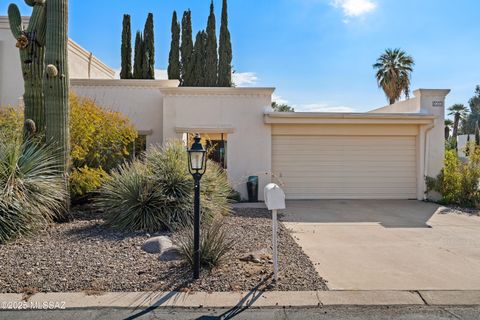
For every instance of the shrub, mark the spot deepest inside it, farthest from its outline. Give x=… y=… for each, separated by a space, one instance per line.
x=157 y=193
x=100 y=141
x=99 y=138
x=170 y=166
x=32 y=190
x=214 y=244
x=458 y=183
x=84 y=181
x=11 y=123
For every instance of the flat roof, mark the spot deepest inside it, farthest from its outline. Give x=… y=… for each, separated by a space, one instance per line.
x=346 y=117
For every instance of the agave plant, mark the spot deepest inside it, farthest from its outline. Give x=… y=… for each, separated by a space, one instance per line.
x=214 y=244
x=32 y=190
x=157 y=193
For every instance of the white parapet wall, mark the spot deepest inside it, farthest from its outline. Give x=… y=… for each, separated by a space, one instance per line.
x=139 y=100
x=82 y=64
x=237 y=112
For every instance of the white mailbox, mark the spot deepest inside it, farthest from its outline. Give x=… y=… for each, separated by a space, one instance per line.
x=274 y=197
x=275 y=200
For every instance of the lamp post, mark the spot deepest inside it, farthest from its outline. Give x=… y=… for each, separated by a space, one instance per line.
x=197 y=164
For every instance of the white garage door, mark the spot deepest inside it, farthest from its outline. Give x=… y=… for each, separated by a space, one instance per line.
x=346 y=167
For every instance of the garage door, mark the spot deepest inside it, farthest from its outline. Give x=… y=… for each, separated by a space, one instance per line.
x=346 y=167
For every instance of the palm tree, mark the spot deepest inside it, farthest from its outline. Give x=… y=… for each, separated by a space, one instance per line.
x=458 y=111
x=394 y=68
x=448 y=126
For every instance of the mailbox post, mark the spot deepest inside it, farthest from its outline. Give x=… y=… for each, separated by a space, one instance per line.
x=275 y=200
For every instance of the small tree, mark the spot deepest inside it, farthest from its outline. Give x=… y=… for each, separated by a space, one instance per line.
x=186 y=50
x=126 y=72
x=199 y=67
x=225 y=51
x=282 y=107
x=211 y=59
x=138 y=60
x=174 y=56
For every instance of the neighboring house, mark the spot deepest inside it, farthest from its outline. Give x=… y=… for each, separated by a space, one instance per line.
x=382 y=154
x=82 y=64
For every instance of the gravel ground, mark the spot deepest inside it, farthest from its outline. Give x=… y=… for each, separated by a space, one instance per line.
x=460 y=210
x=85 y=255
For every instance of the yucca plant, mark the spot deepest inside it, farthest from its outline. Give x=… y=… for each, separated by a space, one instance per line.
x=157 y=193
x=130 y=199
x=32 y=190
x=214 y=244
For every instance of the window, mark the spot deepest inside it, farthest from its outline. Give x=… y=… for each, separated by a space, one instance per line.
x=139 y=146
x=217 y=151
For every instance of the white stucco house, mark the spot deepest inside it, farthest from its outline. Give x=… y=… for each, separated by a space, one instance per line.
x=82 y=64
x=382 y=154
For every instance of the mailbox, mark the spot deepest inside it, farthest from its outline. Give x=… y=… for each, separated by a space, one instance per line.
x=275 y=200
x=274 y=197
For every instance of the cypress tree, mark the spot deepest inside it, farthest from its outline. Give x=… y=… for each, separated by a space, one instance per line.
x=148 y=49
x=126 y=72
x=224 y=51
x=174 y=56
x=199 y=60
x=186 y=50
x=138 y=60
x=211 y=51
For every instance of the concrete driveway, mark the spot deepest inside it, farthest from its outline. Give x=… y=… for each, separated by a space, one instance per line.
x=387 y=244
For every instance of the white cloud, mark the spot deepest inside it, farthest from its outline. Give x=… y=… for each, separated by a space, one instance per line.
x=322 y=107
x=279 y=99
x=354 y=8
x=242 y=79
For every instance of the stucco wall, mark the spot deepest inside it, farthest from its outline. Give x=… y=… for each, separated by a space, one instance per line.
x=165 y=112
x=238 y=110
x=140 y=100
x=431 y=138
x=11 y=80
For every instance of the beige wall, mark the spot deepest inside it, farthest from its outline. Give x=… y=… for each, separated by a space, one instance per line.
x=165 y=112
x=431 y=136
x=140 y=100
x=236 y=111
x=11 y=80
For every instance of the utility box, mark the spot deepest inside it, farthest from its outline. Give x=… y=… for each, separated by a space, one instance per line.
x=274 y=197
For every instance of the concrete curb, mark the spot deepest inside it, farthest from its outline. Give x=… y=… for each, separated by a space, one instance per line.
x=239 y=299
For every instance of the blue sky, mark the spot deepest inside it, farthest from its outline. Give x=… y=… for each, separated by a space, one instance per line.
x=317 y=53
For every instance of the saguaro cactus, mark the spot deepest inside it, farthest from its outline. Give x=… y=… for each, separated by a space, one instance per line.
x=31 y=44
x=56 y=84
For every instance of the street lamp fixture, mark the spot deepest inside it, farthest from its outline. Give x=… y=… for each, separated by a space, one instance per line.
x=197 y=165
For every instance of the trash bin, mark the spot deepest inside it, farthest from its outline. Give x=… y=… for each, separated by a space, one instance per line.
x=252 y=188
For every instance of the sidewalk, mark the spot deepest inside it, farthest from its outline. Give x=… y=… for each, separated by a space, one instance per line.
x=234 y=299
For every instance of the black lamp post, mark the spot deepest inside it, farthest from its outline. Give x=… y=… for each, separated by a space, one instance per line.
x=197 y=164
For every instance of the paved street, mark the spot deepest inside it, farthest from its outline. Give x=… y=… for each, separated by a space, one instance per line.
x=326 y=313
x=387 y=244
